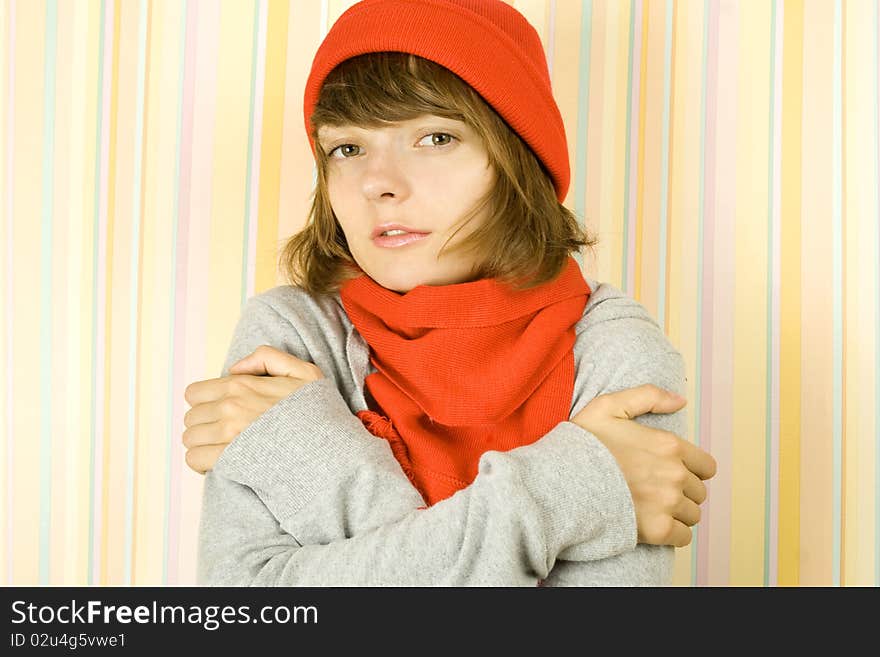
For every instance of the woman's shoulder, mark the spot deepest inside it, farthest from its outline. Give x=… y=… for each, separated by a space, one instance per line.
x=289 y=319
x=616 y=322
x=295 y=305
x=609 y=303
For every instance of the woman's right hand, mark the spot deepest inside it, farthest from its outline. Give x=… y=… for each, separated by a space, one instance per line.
x=664 y=473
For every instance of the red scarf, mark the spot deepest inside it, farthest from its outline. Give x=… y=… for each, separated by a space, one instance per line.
x=465 y=368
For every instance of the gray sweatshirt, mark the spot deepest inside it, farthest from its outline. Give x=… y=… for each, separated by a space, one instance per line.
x=307 y=496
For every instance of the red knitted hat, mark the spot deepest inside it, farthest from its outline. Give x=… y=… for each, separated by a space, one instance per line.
x=487 y=43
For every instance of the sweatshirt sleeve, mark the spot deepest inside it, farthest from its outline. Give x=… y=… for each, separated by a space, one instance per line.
x=644 y=565
x=306 y=495
x=621 y=346
x=505 y=529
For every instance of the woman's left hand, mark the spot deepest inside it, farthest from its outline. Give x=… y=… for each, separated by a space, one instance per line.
x=222 y=408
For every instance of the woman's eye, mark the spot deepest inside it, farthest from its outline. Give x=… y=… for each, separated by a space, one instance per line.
x=340 y=148
x=344 y=151
x=441 y=134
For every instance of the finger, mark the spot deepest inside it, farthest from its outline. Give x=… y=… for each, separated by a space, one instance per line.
x=210 y=433
x=614 y=429
x=202 y=459
x=203 y=413
x=248 y=396
x=270 y=361
x=632 y=402
x=214 y=390
x=232 y=406
x=200 y=392
x=273 y=388
x=698 y=461
x=687 y=512
x=664 y=530
x=681 y=534
x=249 y=364
x=694 y=489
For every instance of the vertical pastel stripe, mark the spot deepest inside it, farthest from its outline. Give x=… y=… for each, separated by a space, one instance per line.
x=177 y=383
x=876 y=545
x=634 y=70
x=324 y=19
x=618 y=146
x=161 y=140
x=725 y=247
x=8 y=109
x=103 y=178
x=654 y=101
x=595 y=221
x=46 y=306
x=65 y=250
x=55 y=239
x=771 y=547
x=579 y=171
x=705 y=271
x=275 y=55
x=141 y=312
x=566 y=37
x=817 y=293
x=28 y=215
x=306 y=26
x=692 y=183
x=134 y=297
x=837 y=283
x=125 y=259
x=75 y=166
x=673 y=221
x=683 y=210
x=662 y=269
x=790 y=371
x=635 y=228
x=110 y=511
x=229 y=175
x=103 y=300
x=197 y=265
x=612 y=95
x=551 y=36
x=750 y=296
x=88 y=143
x=859 y=187
x=255 y=125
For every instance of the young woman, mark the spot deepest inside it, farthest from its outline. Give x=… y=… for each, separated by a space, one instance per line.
x=440 y=397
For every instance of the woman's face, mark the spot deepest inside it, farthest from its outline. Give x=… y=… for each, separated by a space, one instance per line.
x=424 y=175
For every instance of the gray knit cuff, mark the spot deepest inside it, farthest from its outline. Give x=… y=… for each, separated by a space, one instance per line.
x=587 y=509
x=298 y=447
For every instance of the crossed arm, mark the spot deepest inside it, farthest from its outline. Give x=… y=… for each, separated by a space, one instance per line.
x=306 y=496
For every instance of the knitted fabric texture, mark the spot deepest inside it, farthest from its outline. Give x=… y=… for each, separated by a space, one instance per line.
x=487 y=43
x=465 y=368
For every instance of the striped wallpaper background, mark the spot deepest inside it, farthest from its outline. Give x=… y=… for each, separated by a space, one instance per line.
x=154 y=159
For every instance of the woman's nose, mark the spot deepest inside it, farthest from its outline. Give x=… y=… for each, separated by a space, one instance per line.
x=384 y=175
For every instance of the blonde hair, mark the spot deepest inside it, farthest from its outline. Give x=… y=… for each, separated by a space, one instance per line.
x=528 y=234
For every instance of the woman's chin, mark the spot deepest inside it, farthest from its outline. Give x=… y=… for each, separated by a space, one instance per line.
x=403 y=281
x=398 y=284
x=404 y=286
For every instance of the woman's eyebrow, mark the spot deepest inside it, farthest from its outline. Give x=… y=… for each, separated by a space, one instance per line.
x=328 y=133
x=333 y=132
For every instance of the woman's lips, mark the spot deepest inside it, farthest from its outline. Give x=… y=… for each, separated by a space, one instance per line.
x=392 y=241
